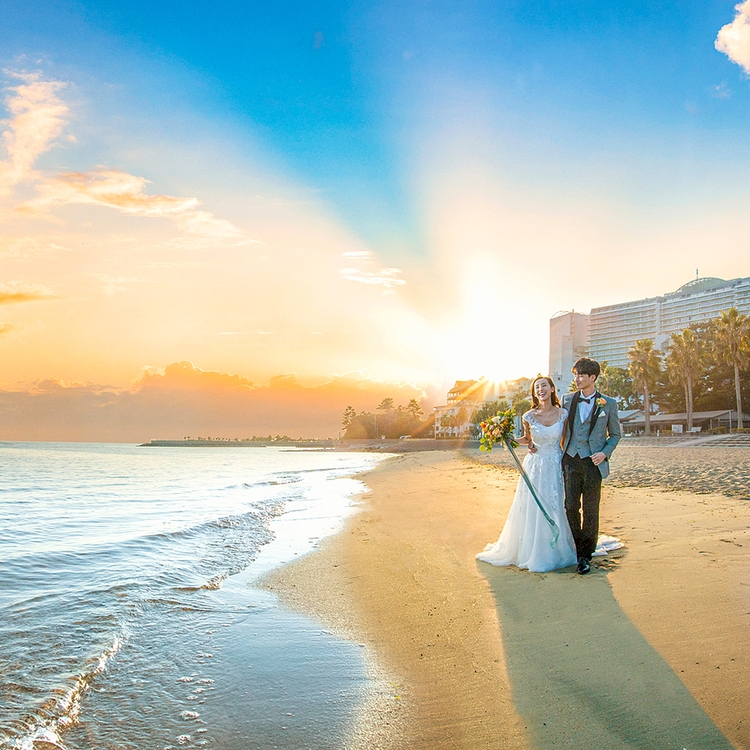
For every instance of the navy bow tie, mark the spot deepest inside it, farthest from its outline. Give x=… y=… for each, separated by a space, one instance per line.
x=586 y=400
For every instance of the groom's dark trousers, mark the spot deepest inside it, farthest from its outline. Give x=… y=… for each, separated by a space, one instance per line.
x=583 y=491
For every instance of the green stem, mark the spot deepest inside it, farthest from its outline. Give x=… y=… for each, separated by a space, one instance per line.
x=547 y=517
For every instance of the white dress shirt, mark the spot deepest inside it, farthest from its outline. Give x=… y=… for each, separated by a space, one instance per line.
x=584 y=409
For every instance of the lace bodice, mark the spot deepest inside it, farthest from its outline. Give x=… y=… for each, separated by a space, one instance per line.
x=546 y=437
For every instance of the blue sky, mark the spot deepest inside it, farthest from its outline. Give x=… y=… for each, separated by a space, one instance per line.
x=339 y=90
x=442 y=168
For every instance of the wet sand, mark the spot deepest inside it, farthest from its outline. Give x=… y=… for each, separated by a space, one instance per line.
x=651 y=650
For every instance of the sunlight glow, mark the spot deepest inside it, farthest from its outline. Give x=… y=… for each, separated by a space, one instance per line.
x=489 y=338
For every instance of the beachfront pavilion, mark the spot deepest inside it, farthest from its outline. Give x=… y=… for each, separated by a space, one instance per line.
x=634 y=423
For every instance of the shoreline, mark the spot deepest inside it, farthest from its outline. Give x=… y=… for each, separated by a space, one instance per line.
x=425 y=617
x=130 y=579
x=452 y=668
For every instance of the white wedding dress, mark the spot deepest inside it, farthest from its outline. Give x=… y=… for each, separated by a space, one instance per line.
x=527 y=539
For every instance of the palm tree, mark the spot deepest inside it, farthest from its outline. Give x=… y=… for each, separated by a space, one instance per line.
x=684 y=364
x=615 y=382
x=645 y=368
x=731 y=343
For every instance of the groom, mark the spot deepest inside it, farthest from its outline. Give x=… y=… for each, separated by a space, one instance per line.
x=591 y=435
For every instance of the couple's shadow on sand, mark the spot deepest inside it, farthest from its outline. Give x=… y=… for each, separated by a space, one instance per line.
x=582 y=674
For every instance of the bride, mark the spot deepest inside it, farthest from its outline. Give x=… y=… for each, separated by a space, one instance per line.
x=527 y=539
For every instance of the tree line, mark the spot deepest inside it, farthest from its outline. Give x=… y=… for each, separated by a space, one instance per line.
x=705 y=367
x=388 y=421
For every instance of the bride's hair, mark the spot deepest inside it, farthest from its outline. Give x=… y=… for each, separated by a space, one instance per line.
x=553 y=397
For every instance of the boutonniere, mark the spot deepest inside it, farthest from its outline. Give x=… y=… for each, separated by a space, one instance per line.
x=601 y=402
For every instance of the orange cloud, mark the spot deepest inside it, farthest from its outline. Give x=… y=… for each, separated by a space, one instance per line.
x=186 y=400
x=13 y=292
x=126 y=193
x=180 y=376
x=111 y=188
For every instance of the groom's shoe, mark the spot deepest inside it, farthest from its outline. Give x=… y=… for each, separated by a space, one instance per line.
x=583 y=566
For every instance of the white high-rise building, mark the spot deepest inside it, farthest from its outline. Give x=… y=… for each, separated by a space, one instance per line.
x=612 y=330
x=568 y=341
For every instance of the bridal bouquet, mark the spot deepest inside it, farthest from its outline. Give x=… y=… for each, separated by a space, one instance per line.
x=498 y=429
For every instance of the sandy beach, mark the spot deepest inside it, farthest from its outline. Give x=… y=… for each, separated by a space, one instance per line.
x=651 y=650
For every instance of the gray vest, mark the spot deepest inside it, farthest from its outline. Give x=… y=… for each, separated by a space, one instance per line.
x=579 y=440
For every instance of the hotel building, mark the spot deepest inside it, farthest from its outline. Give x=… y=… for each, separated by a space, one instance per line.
x=612 y=330
x=568 y=341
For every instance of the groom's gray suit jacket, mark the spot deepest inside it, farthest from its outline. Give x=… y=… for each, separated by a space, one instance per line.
x=599 y=432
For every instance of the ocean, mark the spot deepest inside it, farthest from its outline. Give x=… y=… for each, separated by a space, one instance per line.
x=128 y=614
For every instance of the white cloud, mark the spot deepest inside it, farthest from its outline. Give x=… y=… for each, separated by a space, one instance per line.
x=113 y=284
x=357 y=254
x=37 y=118
x=721 y=91
x=734 y=38
x=24 y=248
x=384 y=277
x=203 y=224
